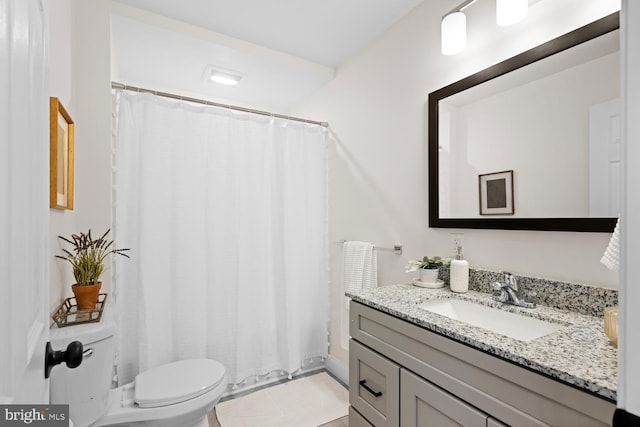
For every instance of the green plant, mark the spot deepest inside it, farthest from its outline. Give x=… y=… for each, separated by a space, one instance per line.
x=87 y=256
x=425 y=262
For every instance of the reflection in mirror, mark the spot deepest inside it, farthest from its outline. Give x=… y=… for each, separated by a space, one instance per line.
x=552 y=116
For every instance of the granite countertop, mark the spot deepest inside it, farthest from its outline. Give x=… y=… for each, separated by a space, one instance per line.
x=579 y=354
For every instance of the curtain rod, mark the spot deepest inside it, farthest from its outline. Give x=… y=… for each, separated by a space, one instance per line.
x=120 y=86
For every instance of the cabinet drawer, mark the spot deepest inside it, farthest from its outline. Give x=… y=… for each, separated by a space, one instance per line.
x=357 y=420
x=374 y=386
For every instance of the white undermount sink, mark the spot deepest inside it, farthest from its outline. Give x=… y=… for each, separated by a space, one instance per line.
x=522 y=328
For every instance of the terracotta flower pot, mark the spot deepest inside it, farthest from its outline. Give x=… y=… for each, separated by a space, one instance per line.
x=86 y=295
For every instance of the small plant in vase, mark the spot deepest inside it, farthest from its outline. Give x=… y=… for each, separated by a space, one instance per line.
x=428 y=268
x=87 y=259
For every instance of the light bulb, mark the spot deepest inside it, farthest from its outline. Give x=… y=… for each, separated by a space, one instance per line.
x=454 y=33
x=221 y=75
x=224 y=79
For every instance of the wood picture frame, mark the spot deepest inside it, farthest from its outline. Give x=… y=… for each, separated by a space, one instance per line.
x=61 y=146
x=496 y=193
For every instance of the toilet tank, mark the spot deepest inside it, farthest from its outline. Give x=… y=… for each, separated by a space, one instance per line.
x=85 y=388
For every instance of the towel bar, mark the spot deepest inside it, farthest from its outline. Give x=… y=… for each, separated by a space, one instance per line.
x=396 y=249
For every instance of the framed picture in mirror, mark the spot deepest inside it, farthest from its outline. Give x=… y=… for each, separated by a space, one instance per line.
x=496 y=193
x=61 y=135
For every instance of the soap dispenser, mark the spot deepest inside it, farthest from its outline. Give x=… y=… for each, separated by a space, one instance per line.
x=459 y=273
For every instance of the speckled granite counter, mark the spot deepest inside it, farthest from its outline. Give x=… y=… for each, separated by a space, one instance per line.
x=579 y=354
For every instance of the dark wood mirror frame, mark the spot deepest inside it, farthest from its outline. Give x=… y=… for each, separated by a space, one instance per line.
x=571 y=39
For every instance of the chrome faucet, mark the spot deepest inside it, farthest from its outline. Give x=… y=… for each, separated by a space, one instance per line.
x=507 y=292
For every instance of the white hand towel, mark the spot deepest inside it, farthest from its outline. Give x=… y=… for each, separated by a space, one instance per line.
x=611 y=257
x=360 y=266
x=359 y=271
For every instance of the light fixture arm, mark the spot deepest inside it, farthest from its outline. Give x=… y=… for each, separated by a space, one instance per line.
x=462 y=6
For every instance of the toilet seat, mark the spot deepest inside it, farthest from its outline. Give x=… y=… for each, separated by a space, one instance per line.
x=121 y=409
x=177 y=382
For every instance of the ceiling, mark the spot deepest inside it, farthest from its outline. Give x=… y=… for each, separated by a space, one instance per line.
x=286 y=49
x=326 y=32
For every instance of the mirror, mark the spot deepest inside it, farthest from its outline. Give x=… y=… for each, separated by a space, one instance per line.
x=530 y=143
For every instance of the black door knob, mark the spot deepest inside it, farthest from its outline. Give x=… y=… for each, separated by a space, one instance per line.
x=72 y=356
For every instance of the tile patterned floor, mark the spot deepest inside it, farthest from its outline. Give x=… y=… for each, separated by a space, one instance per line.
x=263 y=401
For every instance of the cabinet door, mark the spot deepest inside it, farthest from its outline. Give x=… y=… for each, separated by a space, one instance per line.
x=374 y=388
x=357 y=420
x=492 y=422
x=423 y=404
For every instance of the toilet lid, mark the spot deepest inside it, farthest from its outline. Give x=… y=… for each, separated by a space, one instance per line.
x=176 y=382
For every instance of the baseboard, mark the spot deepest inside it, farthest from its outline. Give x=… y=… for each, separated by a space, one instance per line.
x=338 y=369
x=255 y=383
x=333 y=366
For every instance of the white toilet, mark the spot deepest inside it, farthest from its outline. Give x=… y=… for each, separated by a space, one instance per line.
x=177 y=394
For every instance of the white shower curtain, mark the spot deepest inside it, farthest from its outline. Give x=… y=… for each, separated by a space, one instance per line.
x=226 y=217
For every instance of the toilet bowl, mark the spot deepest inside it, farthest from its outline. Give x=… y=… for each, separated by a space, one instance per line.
x=177 y=394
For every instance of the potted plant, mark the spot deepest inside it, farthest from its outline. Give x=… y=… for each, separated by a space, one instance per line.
x=427 y=267
x=87 y=257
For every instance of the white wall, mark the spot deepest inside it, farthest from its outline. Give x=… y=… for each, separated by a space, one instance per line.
x=377 y=109
x=61 y=222
x=92 y=84
x=80 y=77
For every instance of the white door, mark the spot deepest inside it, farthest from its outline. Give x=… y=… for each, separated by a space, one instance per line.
x=605 y=133
x=24 y=210
x=629 y=351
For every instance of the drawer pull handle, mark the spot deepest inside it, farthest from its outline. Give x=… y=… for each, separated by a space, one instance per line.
x=363 y=383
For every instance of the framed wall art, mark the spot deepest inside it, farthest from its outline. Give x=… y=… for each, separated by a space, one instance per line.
x=61 y=133
x=496 y=193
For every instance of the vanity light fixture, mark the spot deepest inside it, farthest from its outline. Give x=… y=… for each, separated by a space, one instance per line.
x=454 y=33
x=453 y=28
x=222 y=76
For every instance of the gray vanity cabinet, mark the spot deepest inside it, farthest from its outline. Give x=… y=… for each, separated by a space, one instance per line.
x=402 y=375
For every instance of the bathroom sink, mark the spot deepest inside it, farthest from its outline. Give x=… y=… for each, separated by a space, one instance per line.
x=522 y=328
